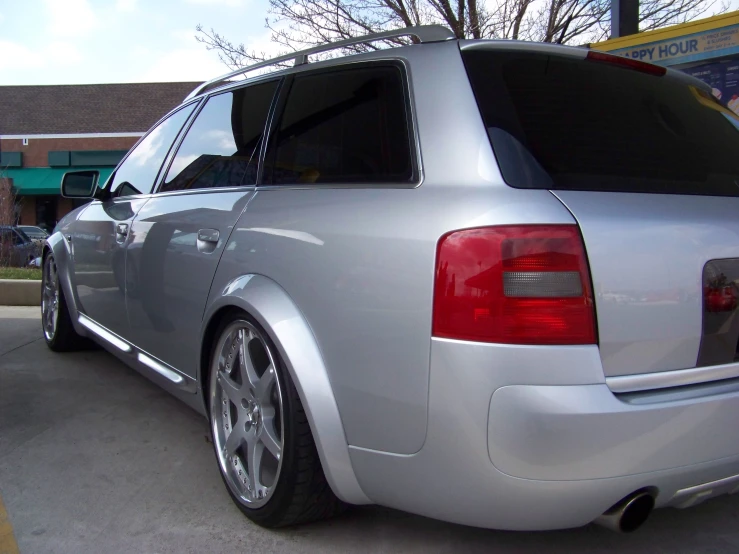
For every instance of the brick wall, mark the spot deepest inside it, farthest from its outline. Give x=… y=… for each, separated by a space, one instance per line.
x=36 y=154
x=28 y=210
x=63 y=207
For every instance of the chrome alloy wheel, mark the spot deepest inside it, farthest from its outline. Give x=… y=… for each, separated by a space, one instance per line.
x=246 y=413
x=50 y=298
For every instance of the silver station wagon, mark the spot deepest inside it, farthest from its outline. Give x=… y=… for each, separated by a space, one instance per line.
x=489 y=282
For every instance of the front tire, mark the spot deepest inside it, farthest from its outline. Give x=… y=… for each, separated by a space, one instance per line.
x=262 y=440
x=57 y=326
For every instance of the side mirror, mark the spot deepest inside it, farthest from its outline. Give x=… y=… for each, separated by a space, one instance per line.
x=80 y=184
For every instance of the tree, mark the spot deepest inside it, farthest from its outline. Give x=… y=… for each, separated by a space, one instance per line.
x=299 y=24
x=7 y=217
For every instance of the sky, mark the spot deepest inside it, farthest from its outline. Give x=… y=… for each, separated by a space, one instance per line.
x=120 y=41
x=123 y=41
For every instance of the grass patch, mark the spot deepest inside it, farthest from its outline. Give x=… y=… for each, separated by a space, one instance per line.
x=20 y=273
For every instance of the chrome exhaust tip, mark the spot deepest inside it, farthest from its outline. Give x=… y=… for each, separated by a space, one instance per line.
x=629 y=514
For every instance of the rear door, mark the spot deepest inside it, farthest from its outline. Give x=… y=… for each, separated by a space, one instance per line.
x=648 y=163
x=178 y=236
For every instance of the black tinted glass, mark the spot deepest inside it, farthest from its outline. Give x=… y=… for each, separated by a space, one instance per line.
x=344 y=126
x=221 y=148
x=139 y=170
x=563 y=123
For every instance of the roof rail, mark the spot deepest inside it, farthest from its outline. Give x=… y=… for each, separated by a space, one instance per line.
x=424 y=33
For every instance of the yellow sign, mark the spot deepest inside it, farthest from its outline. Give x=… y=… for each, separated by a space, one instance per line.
x=698 y=46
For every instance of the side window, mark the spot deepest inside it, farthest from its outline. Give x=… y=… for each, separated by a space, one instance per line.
x=139 y=170
x=344 y=126
x=221 y=149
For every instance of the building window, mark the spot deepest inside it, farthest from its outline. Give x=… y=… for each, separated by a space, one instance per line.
x=25 y=142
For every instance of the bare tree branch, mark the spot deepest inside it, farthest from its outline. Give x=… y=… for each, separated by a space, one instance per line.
x=299 y=24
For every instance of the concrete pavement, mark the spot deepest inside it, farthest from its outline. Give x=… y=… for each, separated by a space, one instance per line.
x=95 y=458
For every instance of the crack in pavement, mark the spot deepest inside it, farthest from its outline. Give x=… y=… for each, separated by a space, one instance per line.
x=19 y=347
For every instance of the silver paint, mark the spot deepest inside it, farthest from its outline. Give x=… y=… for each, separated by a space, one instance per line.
x=170 y=269
x=646 y=254
x=341 y=279
x=99 y=254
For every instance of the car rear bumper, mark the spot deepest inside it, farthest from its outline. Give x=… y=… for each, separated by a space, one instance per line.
x=532 y=438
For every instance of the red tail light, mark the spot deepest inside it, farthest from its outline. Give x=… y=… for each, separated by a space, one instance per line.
x=720 y=299
x=628 y=63
x=517 y=284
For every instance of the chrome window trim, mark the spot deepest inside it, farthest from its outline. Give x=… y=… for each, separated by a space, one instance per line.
x=674 y=378
x=241 y=188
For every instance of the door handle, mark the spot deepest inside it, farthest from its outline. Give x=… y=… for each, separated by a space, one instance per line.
x=208 y=240
x=208 y=235
x=121 y=232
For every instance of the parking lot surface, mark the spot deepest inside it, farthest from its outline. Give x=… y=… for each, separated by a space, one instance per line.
x=95 y=458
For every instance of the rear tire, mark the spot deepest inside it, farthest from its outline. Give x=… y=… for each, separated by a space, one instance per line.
x=57 y=326
x=253 y=405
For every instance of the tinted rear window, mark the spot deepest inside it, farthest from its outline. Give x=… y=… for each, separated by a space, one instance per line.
x=562 y=123
x=347 y=125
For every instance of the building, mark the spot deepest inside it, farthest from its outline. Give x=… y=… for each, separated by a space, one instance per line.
x=705 y=48
x=48 y=130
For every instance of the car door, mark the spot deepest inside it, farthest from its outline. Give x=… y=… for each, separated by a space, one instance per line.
x=99 y=235
x=178 y=236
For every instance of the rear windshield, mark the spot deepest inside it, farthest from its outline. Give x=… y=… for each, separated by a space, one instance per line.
x=566 y=124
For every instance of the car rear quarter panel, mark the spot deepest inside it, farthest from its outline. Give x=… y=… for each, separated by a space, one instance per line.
x=359 y=262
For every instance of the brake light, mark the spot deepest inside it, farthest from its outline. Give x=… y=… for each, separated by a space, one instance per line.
x=517 y=284
x=628 y=63
x=720 y=299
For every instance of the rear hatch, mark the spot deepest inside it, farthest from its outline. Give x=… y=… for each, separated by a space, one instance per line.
x=647 y=161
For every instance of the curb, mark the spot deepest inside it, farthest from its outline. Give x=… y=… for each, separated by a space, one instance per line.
x=20 y=292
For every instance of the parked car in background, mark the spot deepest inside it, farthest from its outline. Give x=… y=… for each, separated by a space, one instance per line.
x=16 y=248
x=490 y=282
x=33 y=232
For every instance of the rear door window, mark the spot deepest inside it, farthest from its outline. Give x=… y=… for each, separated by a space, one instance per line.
x=221 y=148
x=563 y=123
x=347 y=125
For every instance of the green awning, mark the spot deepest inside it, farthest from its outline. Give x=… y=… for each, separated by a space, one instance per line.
x=46 y=180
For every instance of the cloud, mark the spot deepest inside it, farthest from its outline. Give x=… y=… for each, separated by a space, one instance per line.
x=71 y=18
x=227 y=3
x=180 y=64
x=64 y=53
x=184 y=35
x=263 y=44
x=18 y=56
x=126 y=5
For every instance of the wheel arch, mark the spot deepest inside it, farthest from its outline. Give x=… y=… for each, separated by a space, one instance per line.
x=58 y=246
x=270 y=305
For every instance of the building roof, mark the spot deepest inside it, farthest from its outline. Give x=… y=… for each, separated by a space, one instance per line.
x=67 y=109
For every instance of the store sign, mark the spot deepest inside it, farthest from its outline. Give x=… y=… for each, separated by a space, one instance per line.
x=723 y=78
x=683 y=47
